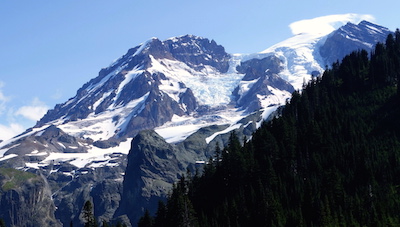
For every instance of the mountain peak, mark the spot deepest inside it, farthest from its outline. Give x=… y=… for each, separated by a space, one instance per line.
x=185 y=37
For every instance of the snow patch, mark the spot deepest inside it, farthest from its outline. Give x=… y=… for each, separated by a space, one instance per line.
x=95 y=157
x=299 y=58
x=8 y=157
x=179 y=128
x=277 y=97
x=229 y=129
x=105 y=124
x=36 y=153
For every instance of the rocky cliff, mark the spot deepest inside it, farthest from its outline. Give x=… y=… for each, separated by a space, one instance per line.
x=25 y=199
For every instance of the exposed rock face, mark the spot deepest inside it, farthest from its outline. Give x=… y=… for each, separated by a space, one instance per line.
x=100 y=186
x=261 y=75
x=154 y=113
x=198 y=52
x=153 y=166
x=25 y=199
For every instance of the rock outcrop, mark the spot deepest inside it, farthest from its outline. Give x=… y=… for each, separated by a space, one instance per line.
x=25 y=199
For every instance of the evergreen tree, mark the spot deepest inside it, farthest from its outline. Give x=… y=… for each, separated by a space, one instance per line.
x=161 y=215
x=88 y=214
x=105 y=224
x=146 y=220
x=180 y=211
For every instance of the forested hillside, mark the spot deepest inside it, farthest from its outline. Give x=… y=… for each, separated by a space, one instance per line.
x=331 y=159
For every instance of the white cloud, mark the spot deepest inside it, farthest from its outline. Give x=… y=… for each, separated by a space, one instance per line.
x=327 y=24
x=14 y=122
x=7 y=132
x=34 y=111
x=3 y=99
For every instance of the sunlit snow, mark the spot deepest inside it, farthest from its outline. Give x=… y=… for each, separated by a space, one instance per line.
x=9 y=156
x=229 y=129
x=209 y=86
x=327 y=24
x=179 y=128
x=103 y=125
x=100 y=156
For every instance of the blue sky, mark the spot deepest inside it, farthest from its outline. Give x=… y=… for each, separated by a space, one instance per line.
x=49 y=49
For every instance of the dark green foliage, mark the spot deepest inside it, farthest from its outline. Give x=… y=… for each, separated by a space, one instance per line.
x=331 y=159
x=179 y=210
x=2 y=223
x=88 y=215
x=119 y=224
x=105 y=224
x=161 y=215
x=146 y=220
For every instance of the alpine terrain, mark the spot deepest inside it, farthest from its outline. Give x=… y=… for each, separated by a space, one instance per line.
x=160 y=109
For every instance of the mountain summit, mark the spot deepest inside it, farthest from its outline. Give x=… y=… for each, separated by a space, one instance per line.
x=184 y=90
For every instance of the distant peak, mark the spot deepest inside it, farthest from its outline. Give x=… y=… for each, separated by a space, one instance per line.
x=365 y=26
x=185 y=38
x=365 y=23
x=326 y=24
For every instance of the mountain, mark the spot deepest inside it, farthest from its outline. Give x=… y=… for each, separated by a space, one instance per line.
x=188 y=92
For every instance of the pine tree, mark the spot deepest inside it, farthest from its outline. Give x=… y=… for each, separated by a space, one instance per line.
x=88 y=215
x=146 y=220
x=161 y=215
x=180 y=211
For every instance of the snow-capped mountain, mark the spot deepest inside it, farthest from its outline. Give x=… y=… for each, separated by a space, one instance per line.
x=180 y=78
x=189 y=91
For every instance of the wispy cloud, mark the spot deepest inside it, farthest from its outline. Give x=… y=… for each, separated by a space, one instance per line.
x=14 y=120
x=9 y=131
x=34 y=111
x=3 y=99
x=327 y=24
